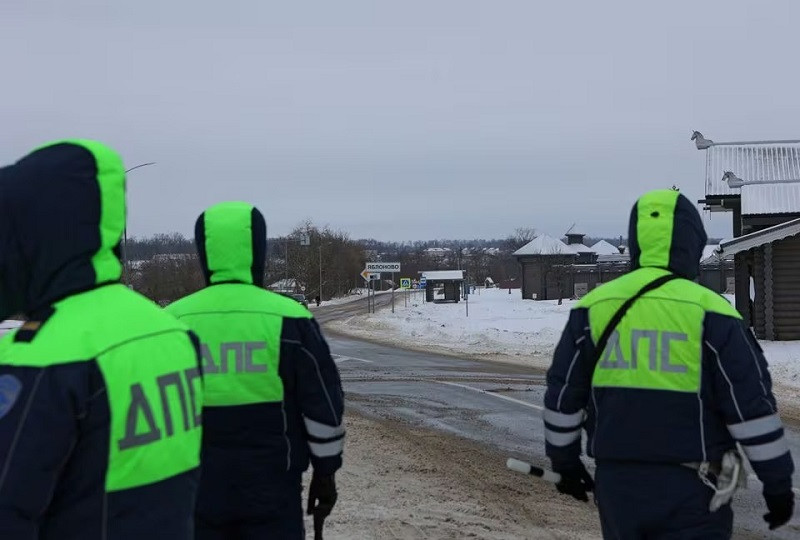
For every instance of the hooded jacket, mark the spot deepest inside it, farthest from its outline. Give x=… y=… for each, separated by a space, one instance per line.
x=273 y=395
x=100 y=390
x=681 y=378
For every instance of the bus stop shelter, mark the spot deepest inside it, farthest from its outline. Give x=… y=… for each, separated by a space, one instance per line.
x=450 y=282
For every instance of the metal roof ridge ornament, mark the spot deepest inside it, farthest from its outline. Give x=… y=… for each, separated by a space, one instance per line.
x=701 y=142
x=704 y=144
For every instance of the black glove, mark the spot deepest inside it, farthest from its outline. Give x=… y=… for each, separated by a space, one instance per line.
x=575 y=481
x=781 y=508
x=321 y=496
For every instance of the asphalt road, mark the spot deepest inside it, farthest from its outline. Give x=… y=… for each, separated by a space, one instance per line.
x=325 y=313
x=493 y=404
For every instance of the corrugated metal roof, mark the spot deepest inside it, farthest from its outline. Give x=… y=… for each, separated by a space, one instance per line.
x=753 y=163
x=759 y=238
x=771 y=199
x=545 y=245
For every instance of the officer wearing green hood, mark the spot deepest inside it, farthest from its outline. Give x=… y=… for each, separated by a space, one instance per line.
x=666 y=380
x=100 y=390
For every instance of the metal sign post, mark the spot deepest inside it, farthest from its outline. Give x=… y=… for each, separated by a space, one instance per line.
x=392 y=292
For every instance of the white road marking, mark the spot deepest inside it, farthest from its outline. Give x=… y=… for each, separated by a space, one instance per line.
x=338 y=358
x=499 y=396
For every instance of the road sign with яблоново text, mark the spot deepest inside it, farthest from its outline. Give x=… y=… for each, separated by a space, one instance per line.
x=405 y=283
x=383 y=267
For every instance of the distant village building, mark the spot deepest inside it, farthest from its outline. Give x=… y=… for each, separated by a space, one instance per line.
x=552 y=269
x=759 y=184
x=543 y=260
x=287 y=286
x=438 y=252
x=604 y=248
x=161 y=257
x=586 y=255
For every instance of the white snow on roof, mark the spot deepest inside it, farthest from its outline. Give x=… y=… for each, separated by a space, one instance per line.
x=581 y=248
x=435 y=275
x=709 y=251
x=753 y=162
x=771 y=199
x=759 y=238
x=545 y=245
x=710 y=254
x=604 y=248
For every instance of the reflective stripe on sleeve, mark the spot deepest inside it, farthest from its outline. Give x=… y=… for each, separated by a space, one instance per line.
x=322 y=431
x=328 y=449
x=755 y=428
x=767 y=451
x=556 y=438
x=559 y=419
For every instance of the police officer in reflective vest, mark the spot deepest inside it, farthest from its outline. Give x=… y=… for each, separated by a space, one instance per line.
x=273 y=394
x=666 y=380
x=100 y=390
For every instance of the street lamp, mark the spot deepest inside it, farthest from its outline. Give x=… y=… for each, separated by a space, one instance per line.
x=125 y=230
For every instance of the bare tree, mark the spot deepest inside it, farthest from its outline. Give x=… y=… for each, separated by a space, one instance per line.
x=521 y=236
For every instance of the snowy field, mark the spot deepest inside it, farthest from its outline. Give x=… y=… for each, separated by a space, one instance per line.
x=499 y=324
x=507 y=327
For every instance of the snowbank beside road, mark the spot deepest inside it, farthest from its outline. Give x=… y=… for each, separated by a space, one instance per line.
x=338 y=301
x=507 y=327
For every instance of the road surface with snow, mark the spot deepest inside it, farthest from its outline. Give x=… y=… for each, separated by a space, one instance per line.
x=506 y=327
x=494 y=405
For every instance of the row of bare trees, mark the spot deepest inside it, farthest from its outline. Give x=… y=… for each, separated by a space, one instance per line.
x=319 y=260
x=315 y=260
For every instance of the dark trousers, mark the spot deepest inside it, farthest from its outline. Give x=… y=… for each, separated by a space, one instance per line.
x=664 y=502
x=265 y=511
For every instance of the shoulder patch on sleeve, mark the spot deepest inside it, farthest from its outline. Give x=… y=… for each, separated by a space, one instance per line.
x=10 y=389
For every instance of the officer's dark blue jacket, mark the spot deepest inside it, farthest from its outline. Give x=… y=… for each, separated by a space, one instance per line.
x=273 y=396
x=680 y=380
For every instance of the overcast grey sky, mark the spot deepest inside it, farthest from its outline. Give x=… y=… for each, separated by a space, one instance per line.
x=400 y=120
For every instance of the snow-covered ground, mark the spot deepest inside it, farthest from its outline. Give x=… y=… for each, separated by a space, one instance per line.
x=499 y=324
x=506 y=326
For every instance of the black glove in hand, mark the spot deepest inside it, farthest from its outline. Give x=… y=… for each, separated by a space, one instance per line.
x=321 y=496
x=575 y=481
x=781 y=508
